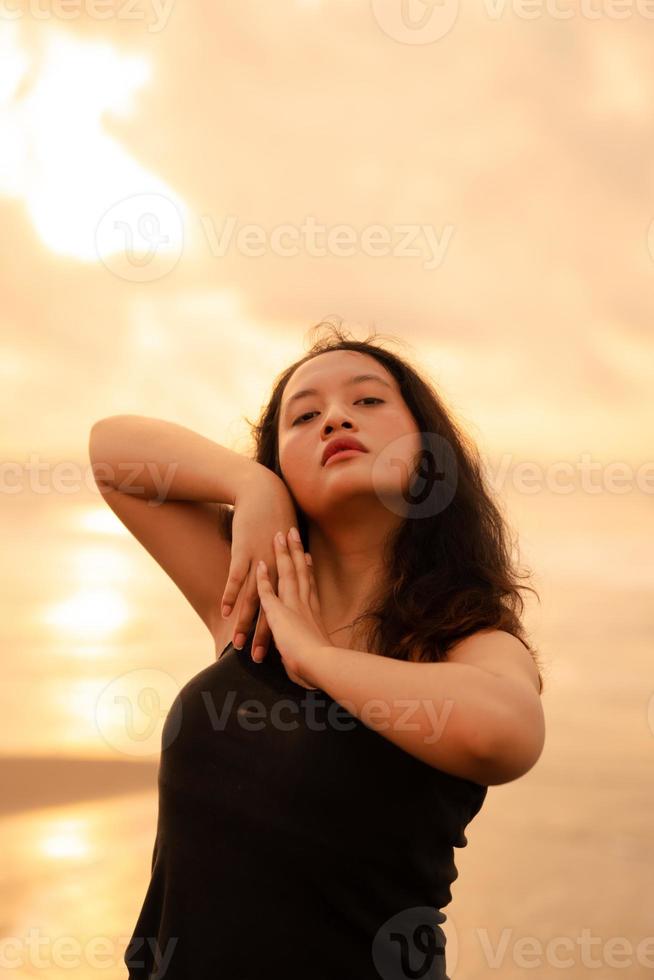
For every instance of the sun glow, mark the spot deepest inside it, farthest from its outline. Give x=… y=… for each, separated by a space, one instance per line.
x=57 y=155
x=67 y=839
x=89 y=612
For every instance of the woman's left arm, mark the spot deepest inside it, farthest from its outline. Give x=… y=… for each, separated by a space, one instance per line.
x=481 y=719
x=476 y=715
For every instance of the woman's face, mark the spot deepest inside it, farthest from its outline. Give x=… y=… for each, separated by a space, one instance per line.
x=371 y=411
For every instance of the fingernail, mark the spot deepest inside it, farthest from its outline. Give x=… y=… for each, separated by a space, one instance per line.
x=280 y=538
x=257 y=656
x=295 y=534
x=308 y=558
x=239 y=641
x=226 y=610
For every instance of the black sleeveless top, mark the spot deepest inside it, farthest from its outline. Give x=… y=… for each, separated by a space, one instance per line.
x=292 y=840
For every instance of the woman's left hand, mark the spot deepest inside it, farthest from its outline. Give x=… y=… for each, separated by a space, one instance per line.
x=294 y=615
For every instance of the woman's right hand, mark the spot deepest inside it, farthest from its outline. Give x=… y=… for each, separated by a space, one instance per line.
x=262 y=507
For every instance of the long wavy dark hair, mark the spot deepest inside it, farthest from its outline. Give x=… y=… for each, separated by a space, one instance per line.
x=449 y=573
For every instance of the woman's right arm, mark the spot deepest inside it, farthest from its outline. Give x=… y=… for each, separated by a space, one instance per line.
x=171 y=487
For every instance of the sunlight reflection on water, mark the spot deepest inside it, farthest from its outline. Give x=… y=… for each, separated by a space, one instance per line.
x=75 y=874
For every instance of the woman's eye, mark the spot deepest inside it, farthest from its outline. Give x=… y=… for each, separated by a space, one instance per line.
x=368 y=398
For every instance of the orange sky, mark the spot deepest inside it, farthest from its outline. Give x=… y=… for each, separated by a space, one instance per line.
x=163 y=183
x=185 y=189
x=520 y=145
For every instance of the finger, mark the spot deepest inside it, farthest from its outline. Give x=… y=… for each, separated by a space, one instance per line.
x=238 y=571
x=266 y=594
x=314 y=601
x=287 y=586
x=247 y=610
x=241 y=590
x=296 y=552
x=247 y=606
x=262 y=637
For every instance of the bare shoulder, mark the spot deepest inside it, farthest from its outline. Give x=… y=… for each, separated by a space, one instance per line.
x=519 y=735
x=499 y=653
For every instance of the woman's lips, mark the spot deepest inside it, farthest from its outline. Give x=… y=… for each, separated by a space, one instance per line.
x=344 y=453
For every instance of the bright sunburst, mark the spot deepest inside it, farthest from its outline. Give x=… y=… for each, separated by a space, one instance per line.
x=57 y=155
x=93 y=612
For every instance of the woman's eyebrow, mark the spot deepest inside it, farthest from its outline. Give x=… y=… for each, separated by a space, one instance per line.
x=350 y=381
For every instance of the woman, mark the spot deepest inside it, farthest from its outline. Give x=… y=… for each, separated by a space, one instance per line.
x=315 y=779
